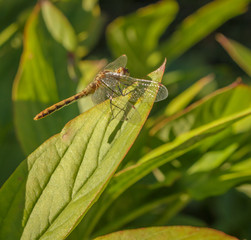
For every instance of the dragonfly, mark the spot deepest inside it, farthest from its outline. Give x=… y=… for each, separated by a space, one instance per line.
x=112 y=83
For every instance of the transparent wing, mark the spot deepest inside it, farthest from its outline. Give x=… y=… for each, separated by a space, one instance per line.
x=120 y=107
x=119 y=62
x=125 y=85
x=101 y=94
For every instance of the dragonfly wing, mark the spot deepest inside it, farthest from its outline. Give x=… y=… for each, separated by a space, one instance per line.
x=101 y=94
x=125 y=85
x=119 y=62
x=162 y=93
x=108 y=88
x=121 y=107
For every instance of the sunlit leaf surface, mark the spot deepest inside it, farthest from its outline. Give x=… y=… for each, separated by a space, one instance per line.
x=163 y=233
x=61 y=180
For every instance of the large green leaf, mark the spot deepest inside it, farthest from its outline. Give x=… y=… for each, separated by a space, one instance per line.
x=174 y=232
x=42 y=80
x=60 y=181
x=240 y=54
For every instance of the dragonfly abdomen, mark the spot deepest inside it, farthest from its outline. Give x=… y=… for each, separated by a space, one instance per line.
x=88 y=90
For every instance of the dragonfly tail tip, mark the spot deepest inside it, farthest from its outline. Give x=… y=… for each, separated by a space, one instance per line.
x=36 y=118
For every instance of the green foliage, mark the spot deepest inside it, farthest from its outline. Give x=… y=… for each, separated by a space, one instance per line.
x=139 y=33
x=193 y=147
x=59 y=27
x=189 y=233
x=239 y=53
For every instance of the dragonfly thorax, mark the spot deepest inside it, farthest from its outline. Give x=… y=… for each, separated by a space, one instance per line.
x=122 y=71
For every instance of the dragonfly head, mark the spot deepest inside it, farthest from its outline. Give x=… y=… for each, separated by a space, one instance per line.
x=123 y=71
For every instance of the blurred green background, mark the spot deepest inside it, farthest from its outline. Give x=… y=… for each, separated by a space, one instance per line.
x=50 y=50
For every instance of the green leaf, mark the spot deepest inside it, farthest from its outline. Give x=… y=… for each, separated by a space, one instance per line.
x=240 y=54
x=181 y=101
x=59 y=27
x=201 y=185
x=175 y=232
x=212 y=160
x=138 y=34
x=200 y=24
x=246 y=189
x=221 y=166
x=42 y=80
x=86 y=19
x=63 y=178
x=7 y=33
x=10 y=213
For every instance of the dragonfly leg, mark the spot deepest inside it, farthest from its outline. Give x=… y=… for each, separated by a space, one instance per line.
x=117 y=107
x=110 y=98
x=120 y=90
